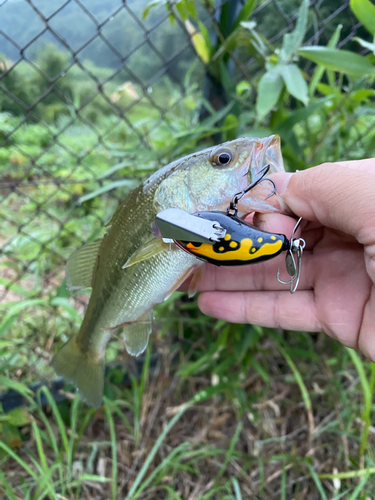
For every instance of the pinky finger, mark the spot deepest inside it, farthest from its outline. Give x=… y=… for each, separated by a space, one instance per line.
x=268 y=309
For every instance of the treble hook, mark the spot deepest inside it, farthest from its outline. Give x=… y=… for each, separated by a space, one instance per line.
x=293 y=268
x=232 y=210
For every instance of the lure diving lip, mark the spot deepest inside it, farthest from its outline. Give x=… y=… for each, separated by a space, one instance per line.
x=176 y=224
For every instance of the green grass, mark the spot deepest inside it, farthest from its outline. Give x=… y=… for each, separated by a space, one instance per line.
x=167 y=437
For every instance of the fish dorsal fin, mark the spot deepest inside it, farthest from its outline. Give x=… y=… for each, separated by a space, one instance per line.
x=136 y=334
x=150 y=249
x=118 y=211
x=81 y=264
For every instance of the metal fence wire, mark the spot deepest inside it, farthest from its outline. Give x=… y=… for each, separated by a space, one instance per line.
x=93 y=96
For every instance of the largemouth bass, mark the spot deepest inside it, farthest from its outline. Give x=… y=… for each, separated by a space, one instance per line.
x=129 y=270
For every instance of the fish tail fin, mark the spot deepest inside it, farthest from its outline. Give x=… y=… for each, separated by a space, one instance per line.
x=84 y=370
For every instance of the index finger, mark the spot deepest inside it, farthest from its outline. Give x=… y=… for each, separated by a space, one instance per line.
x=337 y=195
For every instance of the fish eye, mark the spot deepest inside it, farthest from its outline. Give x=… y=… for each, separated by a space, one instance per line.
x=222 y=157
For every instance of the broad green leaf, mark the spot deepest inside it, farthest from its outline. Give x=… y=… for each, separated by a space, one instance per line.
x=338 y=60
x=10 y=285
x=11 y=436
x=64 y=303
x=108 y=187
x=115 y=168
x=293 y=41
x=319 y=70
x=7 y=383
x=198 y=42
x=364 y=11
x=13 y=308
x=362 y=94
x=245 y=13
x=270 y=86
x=294 y=82
x=18 y=417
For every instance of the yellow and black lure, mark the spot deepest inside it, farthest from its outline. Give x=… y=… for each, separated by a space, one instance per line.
x=242 y=244
x=223 y=239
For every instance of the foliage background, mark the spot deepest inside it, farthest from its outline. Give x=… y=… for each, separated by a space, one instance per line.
x=94 y=96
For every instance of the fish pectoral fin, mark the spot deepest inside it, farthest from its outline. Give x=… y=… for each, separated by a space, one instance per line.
x=81 y=265
x=193 y=286
x=150 y=249
x=136 y=334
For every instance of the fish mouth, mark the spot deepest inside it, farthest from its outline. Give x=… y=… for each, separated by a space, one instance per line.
x=256 y=200
x=266 y=151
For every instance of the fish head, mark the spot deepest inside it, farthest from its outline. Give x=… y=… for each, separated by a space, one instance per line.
x=208 y=180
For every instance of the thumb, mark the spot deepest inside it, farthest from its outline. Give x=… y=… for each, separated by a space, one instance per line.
x=337 y=195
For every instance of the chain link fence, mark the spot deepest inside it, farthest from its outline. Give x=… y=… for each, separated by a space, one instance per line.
x=93 y=97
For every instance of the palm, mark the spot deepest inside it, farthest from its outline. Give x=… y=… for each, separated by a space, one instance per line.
x=336 y=272
x=333 y=295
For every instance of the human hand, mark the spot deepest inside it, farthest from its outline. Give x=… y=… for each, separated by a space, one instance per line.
x=336 y=293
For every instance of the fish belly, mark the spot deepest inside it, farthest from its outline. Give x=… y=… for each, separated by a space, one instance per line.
x=145 y=284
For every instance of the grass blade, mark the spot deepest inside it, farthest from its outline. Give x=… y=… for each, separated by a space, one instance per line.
x=317 y=481
x=236 y=487
x=367 y=389
x=229 y=453
x=112 y=432
x=201 y=396
x=300 y=382
x=58 y=419
x=359 y=488
x=7 y=487
x=73 y=429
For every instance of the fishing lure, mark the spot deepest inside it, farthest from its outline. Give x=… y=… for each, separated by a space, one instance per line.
x=223 y=239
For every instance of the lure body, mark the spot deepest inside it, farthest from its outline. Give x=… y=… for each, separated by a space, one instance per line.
x=242 y=244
